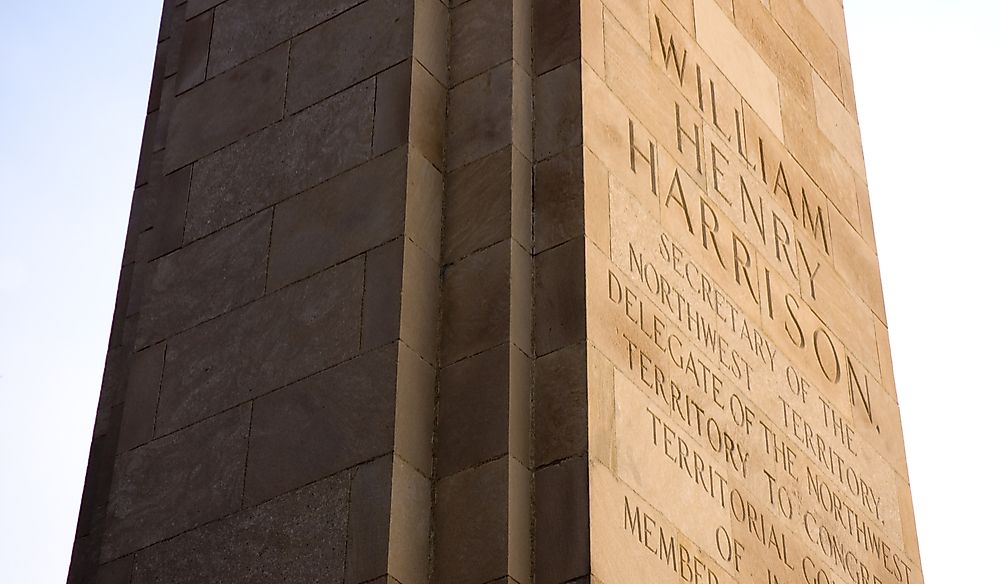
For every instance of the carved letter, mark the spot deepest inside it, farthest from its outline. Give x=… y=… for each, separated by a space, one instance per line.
x=650 y=158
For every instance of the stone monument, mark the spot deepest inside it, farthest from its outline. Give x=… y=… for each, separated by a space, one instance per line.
x=499 y=291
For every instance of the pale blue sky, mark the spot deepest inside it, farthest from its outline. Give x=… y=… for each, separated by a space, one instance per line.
x=74 y=80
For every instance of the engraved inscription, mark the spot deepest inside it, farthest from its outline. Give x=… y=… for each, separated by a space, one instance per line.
x=752 y=438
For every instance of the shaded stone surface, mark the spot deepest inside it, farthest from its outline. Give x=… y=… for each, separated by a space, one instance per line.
x=227 y=108
x=178 y=482
x=323 y=424
x=245 y=28
x=205 y=279
x=344 y=50
x=298 y=537
x=284 y=159
x=279 y=339
x=332 y=222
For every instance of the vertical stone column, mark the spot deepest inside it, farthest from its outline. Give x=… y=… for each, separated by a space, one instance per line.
x=482 y=512
x=269 y=398
x=560 y=393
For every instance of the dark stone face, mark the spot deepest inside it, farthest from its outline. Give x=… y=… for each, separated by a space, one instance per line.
x=298 y=537
x=323 y=424
x=227 y=108
x=212 y=276
x=171 y=485
x=297 y=153
x=343 y=217
x=248 y=352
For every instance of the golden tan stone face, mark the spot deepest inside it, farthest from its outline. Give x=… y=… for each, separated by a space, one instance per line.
x=743 y=424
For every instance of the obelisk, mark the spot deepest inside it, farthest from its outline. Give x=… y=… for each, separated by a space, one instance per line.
x=499 y=291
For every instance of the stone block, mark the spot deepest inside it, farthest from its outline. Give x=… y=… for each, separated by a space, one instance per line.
x=474 y=410
x=143 y=393
x=857 y=263
x=838 y=124
x=471 y=536
x=559 y=199
x=168 y=100
x=562 y=522
x=481 y=37
x=195 y=7
x=409 y=525
x=227 y=108
x=247 y=28
x=268 y=344
x=522 y=310
x=193 y=63
x=392 y=107
x=682 y=10
x=421 y=308
x=427 y=116
x=847 y=81
x=556 y=28
x=176 y=483
x=634 y=17
x=560 y=302
x=480 y=111
x=592 y=35
x=337 y=220
x=730 y=51
x=322 y=425
x=97 y=482
x=347 y=49
x=167 y=20
x=477 y=207
x=172 y=42
x=147 y=161
x=171 y=207
x=156 y=84
x=483 y=409
x=368 y=537
x=558 y=111
x=382 y=309
x=476 y=302
x=560 y=405
x=116 y=572
x=424 y=196
x=829 y=14
x=522 y=200
x=773 y=45
x=887 y=376
x=520 y=423
x=416 y=385
x=205 y=279
x=597 y=202
x=298 y=537
x=810 y=37
x=600 y=407
x=431 y=36
x=522 y=110
x=523 y=42
x=285 y=159
x=136 y=292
